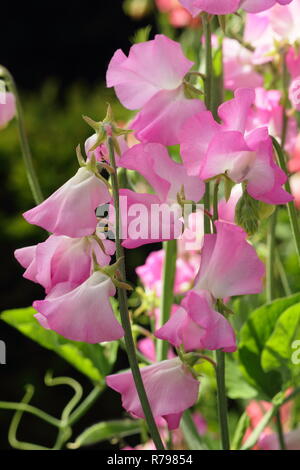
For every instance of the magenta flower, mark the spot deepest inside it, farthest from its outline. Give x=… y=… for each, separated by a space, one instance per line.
x=62 y=259
x=210 y=149
x=223 y=7
x=196 y=325
x=71 y=209
x=83 y=314
x=7 y=108
x=170 y=386
x=271 y=441
x=229 y=264
x=151 y=78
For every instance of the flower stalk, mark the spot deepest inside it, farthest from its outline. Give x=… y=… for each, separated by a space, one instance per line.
x=27 y=157
x=125 y=319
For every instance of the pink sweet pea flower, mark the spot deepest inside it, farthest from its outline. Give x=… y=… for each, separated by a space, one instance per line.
x=295 y=187
x=83 y=314
x=226 y=209
x=7 y=108
x=62 y=259
x=151 y=273
x=267 y=111
x=71 y=209
x=168 y=179
x=170 y=387
x=165 y=176
x=223 y=7
x=238 y=66
x=210 y=149
x=229 y=264
x=294 y=162
x=178 y=16
x=271 y=441
x=196 y=325
x=278 y=25
x=151 y=78
x=147 y=347
x=215 y=7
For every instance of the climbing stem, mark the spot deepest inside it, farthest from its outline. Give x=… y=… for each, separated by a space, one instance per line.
x=291 y=206
x=30 y=170
x=167 y=297
x=125 y=319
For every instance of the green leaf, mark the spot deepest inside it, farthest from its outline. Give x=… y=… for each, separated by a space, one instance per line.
x=253 y=338
x=93 y=360
x=105 y=431
x=278 y=350
x=236 y=385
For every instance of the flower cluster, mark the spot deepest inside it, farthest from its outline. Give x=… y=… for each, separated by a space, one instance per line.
x=230 y=146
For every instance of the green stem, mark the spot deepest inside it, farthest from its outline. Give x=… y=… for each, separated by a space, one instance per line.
x=280 y=433
x=167 y=296
x=283 y=275
x=220 y=360
x=208 y=61
x=222 y=399
x=32 y=410
x=87 y=403
x=291 y=206
x=271 y=258
x=125 y=319
x=30 y=171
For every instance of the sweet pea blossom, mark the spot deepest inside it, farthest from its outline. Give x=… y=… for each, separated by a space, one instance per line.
x=267 y=111
x=61 y=259
x=210 y=149
x=271 y=441
x=266 y=30
x=151 y=272
x=229 y=264
x=7 y=108
x=71 y=209
x=82 y=314
x=239 y=71
x=167 y=179
x=178 y=16
x=151 y=78
x=223 y=7
x=170 y=387
x=295 y=187
x=196 y=325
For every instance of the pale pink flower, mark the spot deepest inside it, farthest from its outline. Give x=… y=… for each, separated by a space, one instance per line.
x=170 y=387
x=196 y=325
x=83 y=314
x=151 y=78
x=71 y=209
x=238 y=66
x=147 y=347
x=268 y=111
x=278 y=25
x=229 y=264
x=226 y=209
x=295 y=187
x=210 y=149
x=151 y=273
x=271 y=441
x=168 y=179
x=61 y=259
x=7 y=108
x=223 y=7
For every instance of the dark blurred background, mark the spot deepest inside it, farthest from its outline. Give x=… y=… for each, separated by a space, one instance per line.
x=58 y=53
